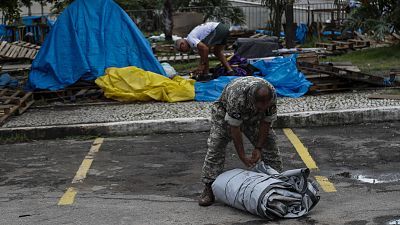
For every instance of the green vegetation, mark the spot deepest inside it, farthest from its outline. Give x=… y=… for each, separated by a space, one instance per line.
x=372 y=60
x=376 y=17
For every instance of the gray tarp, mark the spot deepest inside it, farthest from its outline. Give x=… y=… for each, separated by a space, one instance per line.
x=267 y=193
x=256 y=47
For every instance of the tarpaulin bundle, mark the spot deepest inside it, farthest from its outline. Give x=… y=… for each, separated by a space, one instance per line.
x=281 y=72
x=134 y=84
x=88 y=37
x=266 y=193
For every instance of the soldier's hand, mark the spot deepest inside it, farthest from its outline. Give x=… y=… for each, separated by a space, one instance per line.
x=255 y=156
x=246 y=161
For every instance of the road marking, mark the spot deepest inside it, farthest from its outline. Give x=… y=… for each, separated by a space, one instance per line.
x=303 y=151
x=87 y=162
x=324 y=182
x=326 y=185
x=69 y=196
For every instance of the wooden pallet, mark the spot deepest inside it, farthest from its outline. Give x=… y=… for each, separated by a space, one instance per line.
x=344 y=46
x=71 y=94
x=357 y=44
x=13 y=102
x=348 y=74
x=184 y=57
x=18 y=50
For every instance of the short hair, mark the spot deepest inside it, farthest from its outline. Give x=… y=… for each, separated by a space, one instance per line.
x=178 y=44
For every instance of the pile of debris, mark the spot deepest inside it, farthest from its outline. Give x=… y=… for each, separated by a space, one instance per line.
x=18 y=50
x=13 y=102
x=336 y=77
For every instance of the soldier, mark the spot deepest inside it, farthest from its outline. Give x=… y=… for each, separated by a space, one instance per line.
x=248 y=105
x=201 y=38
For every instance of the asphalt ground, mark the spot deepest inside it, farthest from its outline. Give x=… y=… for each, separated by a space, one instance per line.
x=155 y=179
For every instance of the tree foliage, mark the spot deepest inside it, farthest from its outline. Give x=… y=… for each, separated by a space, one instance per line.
x=277 y=8
x=220 y=10
x=377 y=17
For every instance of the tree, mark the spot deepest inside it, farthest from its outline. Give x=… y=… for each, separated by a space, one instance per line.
x=220 y=10
x=168 y=19
x=377 y=17
x=277 y=8
x=10 y=9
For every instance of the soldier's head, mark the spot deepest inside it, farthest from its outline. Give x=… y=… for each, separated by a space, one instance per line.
x=182 y=45
x=263 y=98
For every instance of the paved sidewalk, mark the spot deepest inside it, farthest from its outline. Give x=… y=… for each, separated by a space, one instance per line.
x=156 y=110
x=155 y=117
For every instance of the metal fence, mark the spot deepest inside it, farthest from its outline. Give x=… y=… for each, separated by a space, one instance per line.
x=255 y=16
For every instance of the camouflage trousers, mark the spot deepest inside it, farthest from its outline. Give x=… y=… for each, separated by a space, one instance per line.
x=220 y=137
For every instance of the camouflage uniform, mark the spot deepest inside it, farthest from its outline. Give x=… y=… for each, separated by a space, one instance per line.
x=236 y=107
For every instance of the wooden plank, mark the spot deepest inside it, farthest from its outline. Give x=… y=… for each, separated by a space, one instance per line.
x=16 y=52
x=5 y=49
x=33 y=55
x=384 y=96
x=15 y=94
x=2 y=45
x=22 y=52
x=8 y=114
x=10 y=52
x=29 y=53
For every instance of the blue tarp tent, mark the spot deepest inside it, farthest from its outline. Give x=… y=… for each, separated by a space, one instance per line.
x=88 y=37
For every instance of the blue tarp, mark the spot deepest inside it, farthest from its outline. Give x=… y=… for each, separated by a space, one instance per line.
x=211 y=90
x=88 y=37
x=282 y=73
x=301 y=33
x=3 y=31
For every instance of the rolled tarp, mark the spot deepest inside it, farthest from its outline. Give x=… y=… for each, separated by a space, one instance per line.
x=267 y=193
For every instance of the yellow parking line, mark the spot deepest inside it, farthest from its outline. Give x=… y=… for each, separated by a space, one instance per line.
x=69 y=196
x=87 y=162
x=303 y=151
x=326 y=185
x=324 y=182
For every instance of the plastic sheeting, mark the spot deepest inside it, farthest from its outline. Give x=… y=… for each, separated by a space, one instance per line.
x=134 y=84
x=267 y=193
x=282 y=73
x=301 y=33
x=89 y=36
x=211 y=90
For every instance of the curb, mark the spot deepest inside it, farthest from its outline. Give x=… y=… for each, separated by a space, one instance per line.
x=201 y=124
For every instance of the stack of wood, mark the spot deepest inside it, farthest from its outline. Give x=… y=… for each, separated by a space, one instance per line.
x=339 y=47
x=13 y=102
x=18 y=50
x=330 y=77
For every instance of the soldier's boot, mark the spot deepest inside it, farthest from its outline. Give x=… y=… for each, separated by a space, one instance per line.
x=207 y=197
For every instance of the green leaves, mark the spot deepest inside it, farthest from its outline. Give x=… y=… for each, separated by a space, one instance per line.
x=376 y=17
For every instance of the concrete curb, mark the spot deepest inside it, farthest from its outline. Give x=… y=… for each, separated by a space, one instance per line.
x=201 y=124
